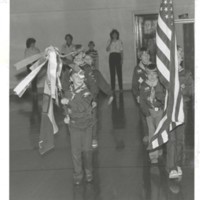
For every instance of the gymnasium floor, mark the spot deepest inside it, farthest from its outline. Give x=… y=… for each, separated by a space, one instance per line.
x=121 y=167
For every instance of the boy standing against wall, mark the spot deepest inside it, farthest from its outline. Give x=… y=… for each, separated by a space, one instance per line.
x=139 y=76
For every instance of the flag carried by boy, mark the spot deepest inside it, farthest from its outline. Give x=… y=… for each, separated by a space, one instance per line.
x=52 y=89
x=167 y=63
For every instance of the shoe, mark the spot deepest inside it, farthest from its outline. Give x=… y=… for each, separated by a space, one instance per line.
x=89 y=178
x=179 y=170
x=94 y=143
x=173 y=174
x=77 y=181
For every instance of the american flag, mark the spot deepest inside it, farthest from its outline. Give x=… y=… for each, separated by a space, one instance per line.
x=167 y=63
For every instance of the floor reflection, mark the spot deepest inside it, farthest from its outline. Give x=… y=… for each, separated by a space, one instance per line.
x=122 y=170
x=89 y=191
x=118 y=113
x=157 y=185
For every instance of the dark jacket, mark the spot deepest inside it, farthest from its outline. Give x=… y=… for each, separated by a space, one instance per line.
x=158 y=102
x=80 y=107
x=185 y=77
x=90 y=80
x=139 y=76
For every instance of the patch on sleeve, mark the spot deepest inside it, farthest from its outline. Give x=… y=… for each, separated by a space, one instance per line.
x=86 y=94
x=140 y=80
x=139 y=71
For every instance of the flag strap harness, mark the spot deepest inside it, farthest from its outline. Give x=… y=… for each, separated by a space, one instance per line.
x=52 y=89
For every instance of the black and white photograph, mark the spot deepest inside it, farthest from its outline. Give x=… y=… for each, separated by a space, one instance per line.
x=102 y=99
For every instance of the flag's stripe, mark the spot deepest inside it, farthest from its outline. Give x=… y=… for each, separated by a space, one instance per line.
x=163 y=69
x=162 y=57
x=164 y=27
x=162 y=121
x=161 y=33
x=162 y=46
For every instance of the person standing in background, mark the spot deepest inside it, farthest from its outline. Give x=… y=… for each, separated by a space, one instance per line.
x=31 y=50
x=93 y=54
x=115 y=49
x=101 y=84
x=66 y=48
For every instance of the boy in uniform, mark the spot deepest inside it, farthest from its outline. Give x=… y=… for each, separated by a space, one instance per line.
x=78 y=100
x=152 y=97
x=139 y=76
x=176 y=143
x=94 y=81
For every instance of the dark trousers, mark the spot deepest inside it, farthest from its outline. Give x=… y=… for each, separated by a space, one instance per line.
x=81 y=140
x=34 y=81
x=115 y=67
x=102 y=83
x=176 y=145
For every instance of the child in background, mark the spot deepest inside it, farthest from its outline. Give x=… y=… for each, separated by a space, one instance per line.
x=80 y=119
x=139 y=76
x=152 y=97
x=94 y=55
x=176 y=143
x=31 y=50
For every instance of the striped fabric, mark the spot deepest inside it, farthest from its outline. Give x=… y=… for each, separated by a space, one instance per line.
x=167 y=62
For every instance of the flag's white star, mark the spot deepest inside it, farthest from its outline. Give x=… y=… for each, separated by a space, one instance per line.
x=166 y=9
x=165 y=2
x=170 y=2
x=161 y=8
x=166 y=16
x=171 y=16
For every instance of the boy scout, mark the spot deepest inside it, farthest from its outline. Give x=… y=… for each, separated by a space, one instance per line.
x=80 y=119
x=152 y=97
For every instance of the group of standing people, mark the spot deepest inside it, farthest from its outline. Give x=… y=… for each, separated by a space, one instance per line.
x=150 y=96
x=81 y=82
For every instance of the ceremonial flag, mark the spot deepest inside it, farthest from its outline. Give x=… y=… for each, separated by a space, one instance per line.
x=167 y=63
x=48 y=125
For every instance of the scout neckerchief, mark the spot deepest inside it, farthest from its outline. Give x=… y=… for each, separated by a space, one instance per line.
x=152 y=85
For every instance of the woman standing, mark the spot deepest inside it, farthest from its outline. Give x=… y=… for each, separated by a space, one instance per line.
x=115 y=48
x=31 y=50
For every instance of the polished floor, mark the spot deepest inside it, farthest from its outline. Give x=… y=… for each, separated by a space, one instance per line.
x=121 y=167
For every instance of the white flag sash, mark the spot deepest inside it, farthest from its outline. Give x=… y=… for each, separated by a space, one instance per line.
x=24 y=84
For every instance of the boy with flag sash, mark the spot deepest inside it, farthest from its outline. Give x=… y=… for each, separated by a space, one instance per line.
x=78 y=100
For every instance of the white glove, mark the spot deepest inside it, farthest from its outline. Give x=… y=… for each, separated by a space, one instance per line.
x=66 y=119
x=110 y=100
x=64 y=101
x=94 y=104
